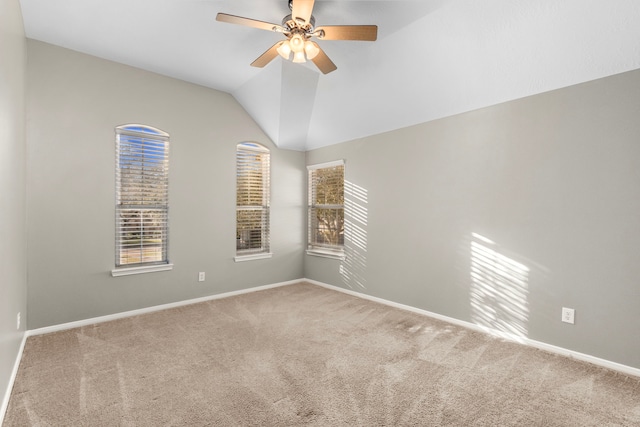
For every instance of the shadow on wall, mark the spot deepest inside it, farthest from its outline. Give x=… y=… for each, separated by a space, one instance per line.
x=354 y=266
x=499 y=290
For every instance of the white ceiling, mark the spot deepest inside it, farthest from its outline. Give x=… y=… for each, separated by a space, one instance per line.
x=433 y=58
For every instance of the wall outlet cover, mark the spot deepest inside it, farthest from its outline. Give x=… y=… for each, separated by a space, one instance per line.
x=201 y=276
x=568 y=315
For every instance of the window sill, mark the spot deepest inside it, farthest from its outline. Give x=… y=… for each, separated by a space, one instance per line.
x=140 y=270
x=327 y=254
x=252 y=257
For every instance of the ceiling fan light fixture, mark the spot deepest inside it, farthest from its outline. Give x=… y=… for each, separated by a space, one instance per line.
x=284 y=50
x=298 y=57
x=311 y=49
x=299 y=27
x=297 y=43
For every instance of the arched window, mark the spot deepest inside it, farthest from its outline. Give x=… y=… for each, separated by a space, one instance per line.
x=142 y=197
x=252 y=201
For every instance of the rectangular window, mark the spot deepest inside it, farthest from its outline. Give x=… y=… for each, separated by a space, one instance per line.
x=252 y=201
x=142 y=196
x=326 y=209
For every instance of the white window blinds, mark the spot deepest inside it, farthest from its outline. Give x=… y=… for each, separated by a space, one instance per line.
x=142 y=196
x=252 y=199
x=326 y=206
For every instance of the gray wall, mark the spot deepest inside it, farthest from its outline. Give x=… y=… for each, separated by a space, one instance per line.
x=74 y=103
x=552 y=180
x=13 y=270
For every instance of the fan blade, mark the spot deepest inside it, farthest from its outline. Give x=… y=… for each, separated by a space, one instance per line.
x=301 y=9
x=268 y=56
x=323 y=62
x=348 y=32
x=239 y=20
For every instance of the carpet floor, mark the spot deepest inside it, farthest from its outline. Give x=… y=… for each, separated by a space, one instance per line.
x=305 y=355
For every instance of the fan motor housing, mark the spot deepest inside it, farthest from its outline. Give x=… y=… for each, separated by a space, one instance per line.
x=290 y=23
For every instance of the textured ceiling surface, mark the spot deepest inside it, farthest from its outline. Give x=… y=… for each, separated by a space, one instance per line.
x=432 y=59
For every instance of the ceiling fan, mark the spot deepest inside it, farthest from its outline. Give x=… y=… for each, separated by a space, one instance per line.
x=299 y=28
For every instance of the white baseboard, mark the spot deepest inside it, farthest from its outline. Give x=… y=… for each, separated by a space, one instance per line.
x=12 y=379
x=628 y=370
x=124 y=314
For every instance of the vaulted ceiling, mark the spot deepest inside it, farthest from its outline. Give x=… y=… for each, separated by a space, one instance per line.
x=433 y=58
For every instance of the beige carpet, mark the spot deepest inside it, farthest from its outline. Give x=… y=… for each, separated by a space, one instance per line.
x=305 y=355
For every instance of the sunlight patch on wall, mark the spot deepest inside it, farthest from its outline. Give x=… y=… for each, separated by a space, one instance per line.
x=354 y=266
x=499 y=289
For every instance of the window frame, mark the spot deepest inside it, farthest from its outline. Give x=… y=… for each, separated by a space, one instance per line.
x=244 y=152
x=313 y=247
x=158 y=142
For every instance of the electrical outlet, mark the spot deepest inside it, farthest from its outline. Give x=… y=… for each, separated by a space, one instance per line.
x=201 y=276
x=18 y=321
x=568 y=315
